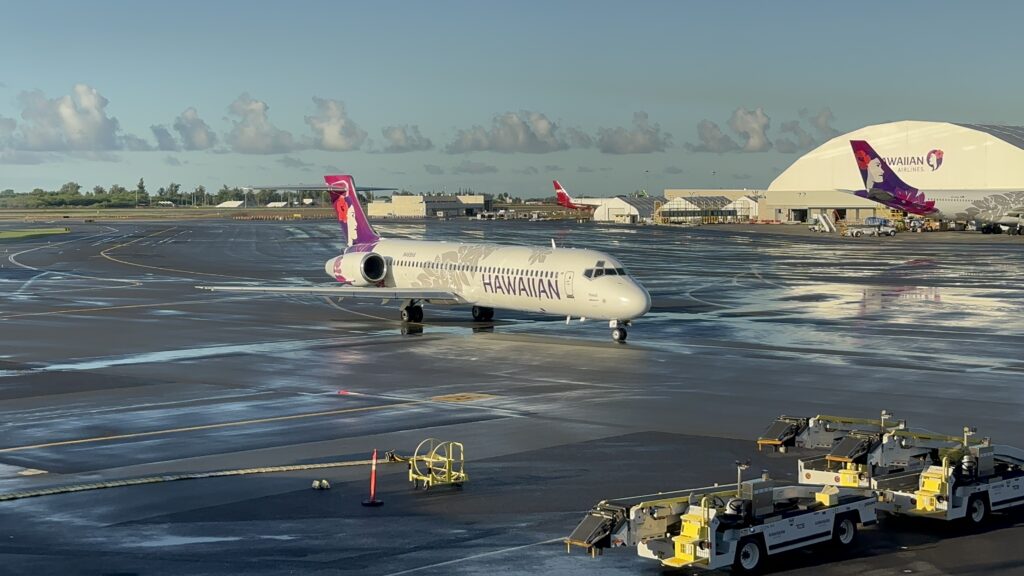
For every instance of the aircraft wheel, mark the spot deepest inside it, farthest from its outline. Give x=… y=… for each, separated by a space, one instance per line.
x=407 y=314
x=479 y=314
x=619 y=334
x=416 y=313
x=488 y=313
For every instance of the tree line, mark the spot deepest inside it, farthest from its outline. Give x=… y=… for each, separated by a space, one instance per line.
x=72 y=194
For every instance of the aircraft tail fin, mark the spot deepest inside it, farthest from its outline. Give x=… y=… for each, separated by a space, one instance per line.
x=883 y=185
x=564 y=200
x=355 y=227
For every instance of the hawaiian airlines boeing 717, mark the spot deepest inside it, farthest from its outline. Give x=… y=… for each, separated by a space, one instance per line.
x=547 y=280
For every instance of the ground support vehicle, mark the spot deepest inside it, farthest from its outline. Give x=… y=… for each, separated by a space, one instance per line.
x=712 y=528
x=912 y=472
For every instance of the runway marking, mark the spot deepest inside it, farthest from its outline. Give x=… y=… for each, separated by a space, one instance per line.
x=124 y=307
x=13 y=260
x=207 y=427
x=104 y=253
x=475 y=557
x=463 y=397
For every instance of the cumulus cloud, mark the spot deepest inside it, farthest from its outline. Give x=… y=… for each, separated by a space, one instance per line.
x=253 y=133
x=803 y=139
x=332 y=128
x=433 y=169
x=821 y=121
x=134 y=143
x=753 y=124
x=579 y=138
x=194 y=132
x=642 y=138
x=405 y=138
x=77 y=121
x=673 y=170
x=293 y=162
x=164 y=139
x=530 y=132
x=470 y=167
x=712 y=139
x=7 y=127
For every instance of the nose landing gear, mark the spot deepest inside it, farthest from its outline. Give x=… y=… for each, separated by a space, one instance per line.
x=618 y=327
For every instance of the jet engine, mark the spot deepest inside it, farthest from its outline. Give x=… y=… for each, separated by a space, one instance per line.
x=357 y=268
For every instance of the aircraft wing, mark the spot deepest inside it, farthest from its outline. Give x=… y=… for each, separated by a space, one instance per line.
x=382 y=294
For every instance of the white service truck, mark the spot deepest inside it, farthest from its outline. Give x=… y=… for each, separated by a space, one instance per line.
x=714 y=528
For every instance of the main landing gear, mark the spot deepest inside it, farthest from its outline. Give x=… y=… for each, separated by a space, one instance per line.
x=412 y=313
x=482 y=313
x=619 y=333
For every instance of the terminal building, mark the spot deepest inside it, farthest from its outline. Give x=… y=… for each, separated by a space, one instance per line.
x=926 y=155
x=429 y=205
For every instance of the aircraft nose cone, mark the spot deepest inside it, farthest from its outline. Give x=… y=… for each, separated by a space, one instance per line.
x=634 y=302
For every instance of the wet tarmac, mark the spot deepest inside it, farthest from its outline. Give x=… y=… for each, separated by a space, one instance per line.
x=112 y=366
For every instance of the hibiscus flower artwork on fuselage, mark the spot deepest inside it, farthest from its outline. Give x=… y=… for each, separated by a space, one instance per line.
x=882 y=185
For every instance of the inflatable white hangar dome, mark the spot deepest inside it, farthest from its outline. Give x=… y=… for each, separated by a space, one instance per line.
x=927 y=155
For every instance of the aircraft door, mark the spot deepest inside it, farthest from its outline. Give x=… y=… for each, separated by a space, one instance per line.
x=568 y=285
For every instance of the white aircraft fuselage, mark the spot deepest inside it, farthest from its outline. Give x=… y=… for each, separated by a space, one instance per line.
x=998 y=207
x=556 y=281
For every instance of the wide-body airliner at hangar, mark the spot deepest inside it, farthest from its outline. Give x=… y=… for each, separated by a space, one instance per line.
x=546 y=280
x=883 y=185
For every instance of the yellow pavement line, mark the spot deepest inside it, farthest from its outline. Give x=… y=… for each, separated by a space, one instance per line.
x=104 y=253
x=175 y=477
x=208 y=426
x=124 y=307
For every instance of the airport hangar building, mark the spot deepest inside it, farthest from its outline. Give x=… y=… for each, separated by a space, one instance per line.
x=926 y=155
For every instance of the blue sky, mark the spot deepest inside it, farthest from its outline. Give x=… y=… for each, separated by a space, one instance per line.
x=607 y=97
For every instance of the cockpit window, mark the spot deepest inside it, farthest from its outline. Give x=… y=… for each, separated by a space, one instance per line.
x=600 y=271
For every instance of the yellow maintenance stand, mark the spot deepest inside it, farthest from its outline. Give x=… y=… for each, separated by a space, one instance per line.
x=437 y=463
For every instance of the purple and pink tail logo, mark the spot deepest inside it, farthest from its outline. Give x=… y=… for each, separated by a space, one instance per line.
x=934 y=159
x=884 y=186
x=354 y=226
